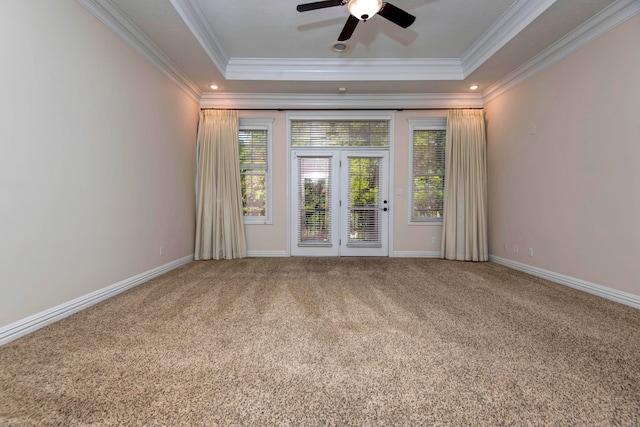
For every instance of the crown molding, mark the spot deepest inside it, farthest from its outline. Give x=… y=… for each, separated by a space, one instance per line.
x=334 y=69
x=614 y=15
x=191 y=14
x=514 y=20
x=517 y=17
x=116 y=21
x=276 y=101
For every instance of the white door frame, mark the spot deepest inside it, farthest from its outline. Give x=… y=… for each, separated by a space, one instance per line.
x=338 y=244
x=331 y=248
x=380 y=248
x=340 y=115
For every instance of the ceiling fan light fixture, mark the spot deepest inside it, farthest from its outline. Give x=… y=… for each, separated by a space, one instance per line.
x=364 y=9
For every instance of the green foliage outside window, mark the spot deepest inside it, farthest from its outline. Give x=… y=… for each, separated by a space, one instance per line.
x=316 y=210
x=253 y=171
x=364 y=186
x=364 y=176
x=428 y=174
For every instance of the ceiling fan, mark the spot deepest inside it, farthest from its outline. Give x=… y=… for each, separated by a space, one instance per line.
x=362 y=10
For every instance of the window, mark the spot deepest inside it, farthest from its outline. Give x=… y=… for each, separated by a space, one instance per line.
x=340 y=133
x=427 y=167
x=254 y=140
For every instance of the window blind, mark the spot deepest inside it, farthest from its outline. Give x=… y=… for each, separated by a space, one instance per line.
x=428 y=175
x=314 y=201
x=340 y=133
x=253 y=171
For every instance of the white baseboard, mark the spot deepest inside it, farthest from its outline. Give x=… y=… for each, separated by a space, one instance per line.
x=416 y=254
x=32 y=323
x=267 y=254
x=592 y=288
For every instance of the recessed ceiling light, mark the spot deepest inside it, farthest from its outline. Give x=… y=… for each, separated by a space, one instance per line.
x=339 y=47
x=214 y=86
x=474 y=87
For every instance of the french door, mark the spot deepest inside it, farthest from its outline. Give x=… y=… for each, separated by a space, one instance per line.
x=339 y=202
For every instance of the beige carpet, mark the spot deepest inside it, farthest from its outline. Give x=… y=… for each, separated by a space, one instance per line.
x=332 y=341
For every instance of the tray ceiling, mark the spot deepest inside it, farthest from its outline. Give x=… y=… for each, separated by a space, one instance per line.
x=267 y=47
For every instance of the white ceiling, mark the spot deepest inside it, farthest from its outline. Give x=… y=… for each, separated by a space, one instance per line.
x=267 y=47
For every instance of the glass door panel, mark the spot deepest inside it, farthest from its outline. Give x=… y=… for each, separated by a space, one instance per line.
x=314 y=204
x=365 y=205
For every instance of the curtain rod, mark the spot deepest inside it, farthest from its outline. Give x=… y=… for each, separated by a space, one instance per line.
x=344 y=109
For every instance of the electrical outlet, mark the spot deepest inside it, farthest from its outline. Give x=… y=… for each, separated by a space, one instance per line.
x=530 y=251
x=161 y=250
x=433 y=240
x=515 y=248
x=506 y=246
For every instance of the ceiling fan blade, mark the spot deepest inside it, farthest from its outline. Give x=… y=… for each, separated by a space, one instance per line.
x=318 y=5
x=348 y=28
x=396 y=15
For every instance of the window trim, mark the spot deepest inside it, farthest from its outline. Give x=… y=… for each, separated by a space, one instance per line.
x=436 y=123
x=261 y=124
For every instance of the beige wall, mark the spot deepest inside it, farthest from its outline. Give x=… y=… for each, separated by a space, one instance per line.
x=96 y=159
x=271 y=239
x=97 y=164
x=415 y=239
x=571 y=191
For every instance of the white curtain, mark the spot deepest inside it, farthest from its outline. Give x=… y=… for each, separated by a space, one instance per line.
x=219 y=223
x=464 y=227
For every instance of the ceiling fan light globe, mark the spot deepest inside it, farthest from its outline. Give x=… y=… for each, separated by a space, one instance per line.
x=364 y=9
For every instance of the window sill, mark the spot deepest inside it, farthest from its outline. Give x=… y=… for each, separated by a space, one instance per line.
x=426 y=223
x=257 y=222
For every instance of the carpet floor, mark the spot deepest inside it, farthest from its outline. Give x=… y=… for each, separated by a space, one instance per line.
x=331 y=341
